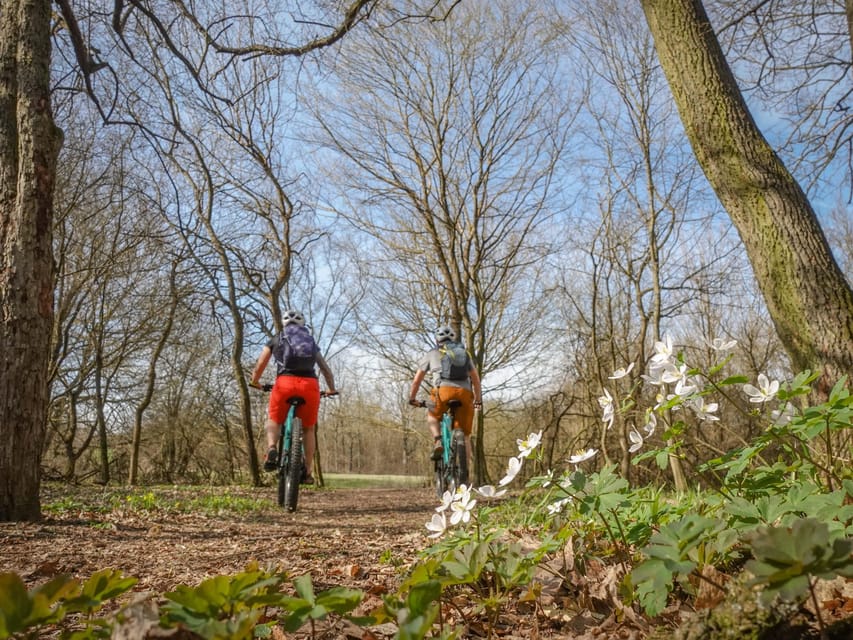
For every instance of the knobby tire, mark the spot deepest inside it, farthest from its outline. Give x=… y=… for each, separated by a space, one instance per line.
x=440 y=478
x=459 y=459
x=291 y=474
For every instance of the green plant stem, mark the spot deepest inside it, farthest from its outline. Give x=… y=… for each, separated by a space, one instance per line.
x=623 y=554
x=701 y=576
x=827 y=434
x=820 y=625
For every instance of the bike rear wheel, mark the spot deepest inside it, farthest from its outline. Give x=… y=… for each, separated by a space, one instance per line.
x=459 y=459
x=291 y=472
x=440 y=478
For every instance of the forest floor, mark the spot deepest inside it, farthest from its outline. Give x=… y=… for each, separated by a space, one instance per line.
x=361 y=538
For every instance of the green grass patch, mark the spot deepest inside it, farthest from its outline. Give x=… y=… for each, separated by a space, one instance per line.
x=96 y=503
x=88 y=501
x=372 y=481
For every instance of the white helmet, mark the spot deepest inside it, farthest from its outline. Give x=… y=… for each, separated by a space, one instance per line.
x=444 y=333
x=293 y=317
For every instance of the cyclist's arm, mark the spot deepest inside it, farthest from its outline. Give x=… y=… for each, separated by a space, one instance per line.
x=326 y=370
x=261 y=364
x=476 y=387
x=416 y=385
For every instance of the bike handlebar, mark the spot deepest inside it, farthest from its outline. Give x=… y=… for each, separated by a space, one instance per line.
x=422 y=403
x=268 y=387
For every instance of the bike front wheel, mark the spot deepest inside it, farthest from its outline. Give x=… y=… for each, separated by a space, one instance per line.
x=291 y=473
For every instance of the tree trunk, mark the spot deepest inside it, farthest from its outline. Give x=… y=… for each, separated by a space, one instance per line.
x=807 y=294
x=100 y=415
x=29 y=145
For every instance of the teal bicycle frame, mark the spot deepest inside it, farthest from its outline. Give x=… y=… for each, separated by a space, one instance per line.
x=451 y=470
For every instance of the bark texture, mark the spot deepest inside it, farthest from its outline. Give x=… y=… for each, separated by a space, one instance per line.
x=29 y=144
x=806 y=292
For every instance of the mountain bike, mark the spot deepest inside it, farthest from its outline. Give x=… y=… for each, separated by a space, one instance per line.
x=451 y=469
x=290 y=469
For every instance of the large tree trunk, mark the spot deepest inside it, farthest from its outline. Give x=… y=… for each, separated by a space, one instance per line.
x=29 y=144
x=806 y=293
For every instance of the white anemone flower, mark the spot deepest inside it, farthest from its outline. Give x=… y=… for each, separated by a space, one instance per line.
x=705 y=410
x=513 y=467
x=684 y=388
x=678 y=375
x=621 y=372
x=489 y=491
x=461 y=508
x=765 y=390
x=557 y=507
x=784 y=415
x=606 y=403
x=526 y=447
x=718 y=344
x=662 y=373
x=582 y=456
x=447 y=499
x=437 y=525
x=651 y=423
x=636 y=440
x=663 y=350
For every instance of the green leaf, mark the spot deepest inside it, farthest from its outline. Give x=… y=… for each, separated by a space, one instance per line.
x=734 y=380
x=15 y=605
x=340 y=599
x=304 y=588
x=654 y=583
x=422 y=596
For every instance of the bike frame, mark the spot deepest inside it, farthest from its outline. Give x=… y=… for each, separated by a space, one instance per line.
x=450 y=470
x=447 y=434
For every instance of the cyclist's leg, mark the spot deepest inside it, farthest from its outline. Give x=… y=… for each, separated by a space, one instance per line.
x=309 y=390
x=465 y=418
x=273 y=433
x=436 y=406
x=309 y=441
x=277 y=414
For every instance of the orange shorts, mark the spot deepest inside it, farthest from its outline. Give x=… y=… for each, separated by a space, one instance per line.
x=463 y=416
x=288 y=386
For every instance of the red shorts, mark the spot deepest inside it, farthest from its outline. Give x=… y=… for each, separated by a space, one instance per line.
x=288 y=386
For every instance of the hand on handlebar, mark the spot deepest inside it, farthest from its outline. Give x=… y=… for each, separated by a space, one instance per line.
x=327 y=394
x=416 y=403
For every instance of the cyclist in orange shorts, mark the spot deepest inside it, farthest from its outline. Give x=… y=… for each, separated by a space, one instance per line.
x=454 y=377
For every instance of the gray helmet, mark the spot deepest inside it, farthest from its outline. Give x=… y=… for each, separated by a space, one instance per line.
x=444 y=333
x=292 y=317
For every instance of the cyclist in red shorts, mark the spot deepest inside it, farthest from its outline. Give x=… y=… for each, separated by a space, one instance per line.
x=295 y=353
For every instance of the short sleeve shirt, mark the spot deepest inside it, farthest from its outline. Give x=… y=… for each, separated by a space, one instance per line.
x=431 y=364
x=281 y=370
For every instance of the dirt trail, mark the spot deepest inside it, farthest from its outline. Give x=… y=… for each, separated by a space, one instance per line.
x=348 y=537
